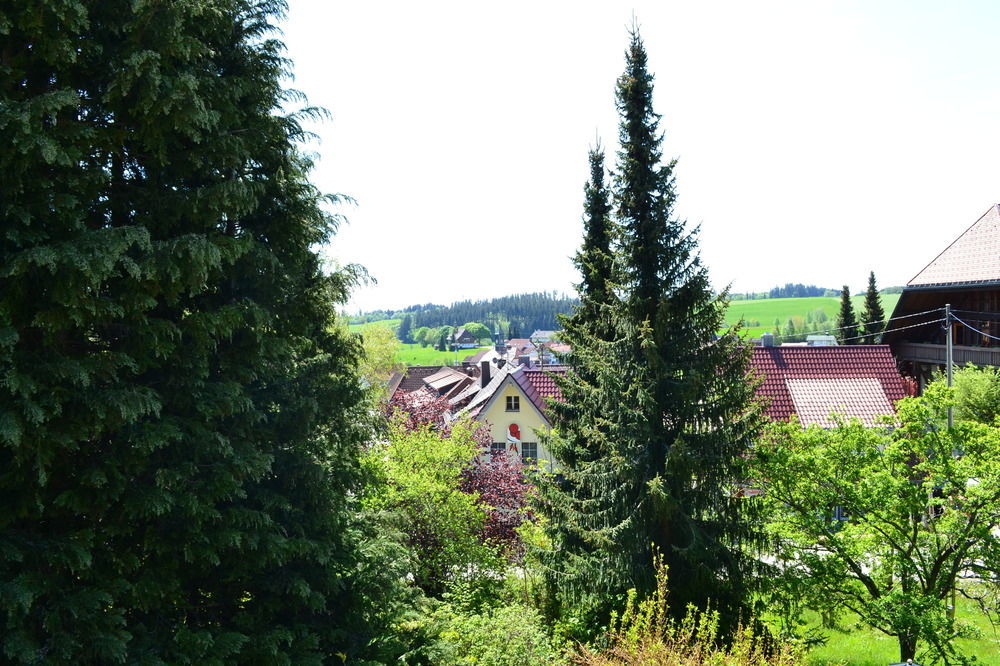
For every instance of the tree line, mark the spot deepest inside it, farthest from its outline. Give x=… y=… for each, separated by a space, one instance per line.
x=508 y=316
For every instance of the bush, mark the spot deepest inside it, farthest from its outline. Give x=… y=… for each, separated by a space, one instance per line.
x=507 y=635
x=646 y=634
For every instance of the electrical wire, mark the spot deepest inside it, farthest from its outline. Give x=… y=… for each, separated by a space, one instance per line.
x=915 y=314
x=923 y=323
x=992 y=337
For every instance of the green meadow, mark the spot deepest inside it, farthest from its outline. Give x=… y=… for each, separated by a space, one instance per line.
x=759 y=316
x=414 y=354
x=361 y=328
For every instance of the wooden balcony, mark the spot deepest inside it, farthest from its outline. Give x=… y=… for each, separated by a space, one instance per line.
x=919 y=352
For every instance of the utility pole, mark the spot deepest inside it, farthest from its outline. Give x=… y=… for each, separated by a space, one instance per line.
x=949 y=362
x=950 y=356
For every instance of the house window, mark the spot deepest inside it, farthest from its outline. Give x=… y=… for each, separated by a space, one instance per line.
x=529 y=452
x=513 y=403
x=497 y=447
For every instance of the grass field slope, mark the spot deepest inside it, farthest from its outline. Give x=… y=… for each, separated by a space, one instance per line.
x=759 y=315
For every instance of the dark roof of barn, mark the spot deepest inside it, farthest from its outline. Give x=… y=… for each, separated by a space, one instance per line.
x=415 y=375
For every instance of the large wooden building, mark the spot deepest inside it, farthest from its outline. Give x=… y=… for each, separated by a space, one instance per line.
x=966 y=277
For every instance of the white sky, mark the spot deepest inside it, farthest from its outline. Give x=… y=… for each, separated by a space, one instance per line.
x=816 y=140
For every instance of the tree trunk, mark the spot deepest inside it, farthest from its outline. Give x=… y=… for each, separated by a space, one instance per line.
x=907 y=646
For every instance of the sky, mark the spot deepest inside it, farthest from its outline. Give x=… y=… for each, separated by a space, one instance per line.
x=815 y=141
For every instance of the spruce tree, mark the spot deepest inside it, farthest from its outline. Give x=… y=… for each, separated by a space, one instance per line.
x=847 y=323
x=405 y=326
x=589 y=329
x=179 y=417
x=873 y=316
x=663 y=404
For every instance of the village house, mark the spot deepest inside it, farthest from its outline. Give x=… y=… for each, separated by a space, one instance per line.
x=966 y=277
x=463 y=339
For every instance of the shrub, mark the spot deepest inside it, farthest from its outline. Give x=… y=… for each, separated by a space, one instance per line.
x=646 y=634
x=507 y=635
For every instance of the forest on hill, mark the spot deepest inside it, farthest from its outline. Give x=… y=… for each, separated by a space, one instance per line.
x=510 y=316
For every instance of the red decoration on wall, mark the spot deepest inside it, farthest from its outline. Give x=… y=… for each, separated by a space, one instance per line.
x=513 y=432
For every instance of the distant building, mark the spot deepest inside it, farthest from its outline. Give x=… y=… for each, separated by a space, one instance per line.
x=462 y=339
x=543 y=336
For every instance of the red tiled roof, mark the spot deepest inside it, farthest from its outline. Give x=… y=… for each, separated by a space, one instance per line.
x=972 y=257
x=517 y=344
x=539 y=384
x=857 y=381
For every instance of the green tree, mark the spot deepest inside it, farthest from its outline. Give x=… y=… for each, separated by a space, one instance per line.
x=584 y=331
x=847 y=323
x=421 y=336
x=405 y=326
x=421 y=477
x=872 y=316
x=378 y=362
x=883 y=521
x=665 y=402
x=977 y=393
x=180 y=416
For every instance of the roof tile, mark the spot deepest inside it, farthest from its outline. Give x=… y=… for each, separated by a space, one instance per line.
x=859 y=381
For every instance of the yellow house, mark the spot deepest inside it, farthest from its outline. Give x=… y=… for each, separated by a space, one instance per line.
x=513 y=403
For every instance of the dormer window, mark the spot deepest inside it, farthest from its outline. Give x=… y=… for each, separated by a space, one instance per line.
x=513 y=403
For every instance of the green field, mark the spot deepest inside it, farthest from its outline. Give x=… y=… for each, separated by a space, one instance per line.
x=759 y=316
x=853 y=645
x=765 y=311
x=360 y=328
x=416 y=355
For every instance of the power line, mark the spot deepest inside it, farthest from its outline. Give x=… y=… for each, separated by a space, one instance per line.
x=886 y=321
x=983 y=333
x=923 y=323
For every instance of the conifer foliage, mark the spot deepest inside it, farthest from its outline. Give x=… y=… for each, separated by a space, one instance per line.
x=178 y=417
x=658 y=411
x=847 y=322
x=873 y=316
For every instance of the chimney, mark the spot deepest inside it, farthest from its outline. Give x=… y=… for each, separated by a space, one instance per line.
x=767 y=339
x=484 y=374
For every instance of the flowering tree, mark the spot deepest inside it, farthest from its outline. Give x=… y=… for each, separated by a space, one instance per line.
x=497 y=481
x=501 y=486
x=418 y=408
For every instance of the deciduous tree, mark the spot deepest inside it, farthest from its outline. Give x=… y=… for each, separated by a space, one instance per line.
x=884 y=521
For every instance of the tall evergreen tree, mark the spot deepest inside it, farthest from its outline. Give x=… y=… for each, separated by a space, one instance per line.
x=663 y=403
x=873 y=316
x=179 y=418
x=847 y=323
x=405 y=326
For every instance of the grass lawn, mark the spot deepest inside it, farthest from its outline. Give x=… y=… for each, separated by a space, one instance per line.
x=767 y=310
x=851 y=645
x=414 y=354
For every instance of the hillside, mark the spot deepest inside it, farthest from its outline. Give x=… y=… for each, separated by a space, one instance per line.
x=760 y=315
x=515 y=316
